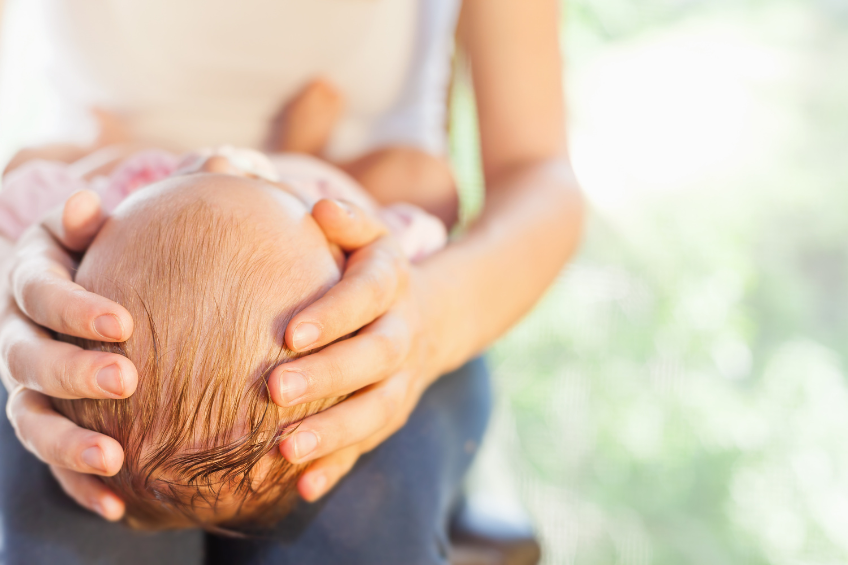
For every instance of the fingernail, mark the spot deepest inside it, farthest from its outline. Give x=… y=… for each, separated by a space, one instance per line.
x=317 y=484
x=305 y=335
x=93 y=457
x=110 y=380
x=304 y=444
x=108 y=508
x=109 y=326
x=345 y=208
x=292 y=386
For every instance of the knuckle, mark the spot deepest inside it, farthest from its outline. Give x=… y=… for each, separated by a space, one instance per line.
x=68 y=312
x=26 y=293
x=398 y=267
x=67 y=372
x=336 y=436
x=389 y=347
x=65 y=314
x=63 y=376
x=392 y=253
x=400 y=263
x=378 y=279
x=54 y=453
x=14 y=358
x=403 y=275
x=381 y=283
x=333 y=375
x=389 y=407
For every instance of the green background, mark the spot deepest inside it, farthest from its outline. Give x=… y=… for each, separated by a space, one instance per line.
x=679 y=396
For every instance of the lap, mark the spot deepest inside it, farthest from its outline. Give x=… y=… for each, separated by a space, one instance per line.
x=40 y=524
x=393 y=507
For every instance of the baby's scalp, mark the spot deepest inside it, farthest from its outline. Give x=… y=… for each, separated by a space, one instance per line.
x=211 y=267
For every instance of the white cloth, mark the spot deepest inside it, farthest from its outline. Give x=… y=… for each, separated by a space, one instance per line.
x=192 y=73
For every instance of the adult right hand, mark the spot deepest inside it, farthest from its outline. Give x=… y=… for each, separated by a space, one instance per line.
x=41 y=296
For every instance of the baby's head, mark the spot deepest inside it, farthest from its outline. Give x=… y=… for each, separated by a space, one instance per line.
x=211 y=266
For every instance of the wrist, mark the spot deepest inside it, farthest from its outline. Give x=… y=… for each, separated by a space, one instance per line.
x=437 y=311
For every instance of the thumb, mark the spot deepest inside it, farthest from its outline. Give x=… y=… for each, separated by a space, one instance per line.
x=346 y=224
x=78 y=222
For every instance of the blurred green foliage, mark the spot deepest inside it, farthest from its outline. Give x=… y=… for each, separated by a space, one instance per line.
x=680 y=395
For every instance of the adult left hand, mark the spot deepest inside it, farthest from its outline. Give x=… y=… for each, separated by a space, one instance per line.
x=388 y=364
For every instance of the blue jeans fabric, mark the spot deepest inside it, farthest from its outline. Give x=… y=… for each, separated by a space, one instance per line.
x=394 y=507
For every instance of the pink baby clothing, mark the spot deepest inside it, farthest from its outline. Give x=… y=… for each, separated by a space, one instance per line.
x=420 y=234
x=38 y=186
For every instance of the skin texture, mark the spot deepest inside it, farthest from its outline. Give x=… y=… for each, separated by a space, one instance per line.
x=417 y=321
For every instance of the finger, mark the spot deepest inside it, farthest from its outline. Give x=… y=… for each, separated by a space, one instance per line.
x=324 y=473
x=346 y=224
x=90 y=492
x=63 y=370
x=78 y=222
x=378 y=410
x=44 y=291
x=307 y=120
x=370 y=284
x=57 y=441
x=343 y=367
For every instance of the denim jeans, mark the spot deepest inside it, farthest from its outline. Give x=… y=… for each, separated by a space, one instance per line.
x=394 y=507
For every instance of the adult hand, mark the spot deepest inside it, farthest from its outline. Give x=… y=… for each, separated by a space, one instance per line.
x=42 y=296
x=388 y=364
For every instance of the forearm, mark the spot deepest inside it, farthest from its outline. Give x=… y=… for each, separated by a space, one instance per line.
x=480 y=285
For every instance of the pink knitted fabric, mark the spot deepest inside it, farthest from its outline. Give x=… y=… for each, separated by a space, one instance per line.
x=33 y=189
x=36 y=187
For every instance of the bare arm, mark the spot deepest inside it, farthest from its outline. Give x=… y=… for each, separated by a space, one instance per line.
x=424 y=320
x=532 y=219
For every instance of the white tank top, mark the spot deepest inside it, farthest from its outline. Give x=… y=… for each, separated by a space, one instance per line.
x=194 y=73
